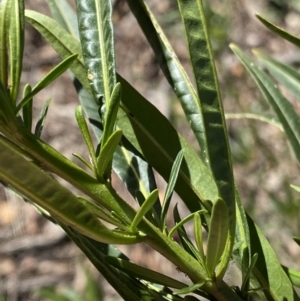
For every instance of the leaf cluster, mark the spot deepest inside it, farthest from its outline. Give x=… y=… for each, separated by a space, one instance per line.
x=133 y=139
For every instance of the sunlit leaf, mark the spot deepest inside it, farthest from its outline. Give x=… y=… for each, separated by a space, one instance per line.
x=128 y=163
x=214 y=125
x=65 y=16
x=147 y=205
x=217 y=235
x=173 y=70
x=86 y=135
x=4 y=28
x=43 y=190
x=104 y=160
x=16 y=45
x=48 y=79
x=268 y=270
x=170 y=188
x=96 y=36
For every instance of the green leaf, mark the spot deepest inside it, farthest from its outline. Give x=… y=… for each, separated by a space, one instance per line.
x=104 y=160
x=159 y=142
x=282 y=33
x=198 y=235
x=184 y=239
x=27 y=109
x=65 y=16
x=242 y=238
x=217 y=236
x=16 y=45
x=293 y=275
x=285 y=75
x=147 y=205
x=96 y=35
x=101 y=213
x=63 y=43
x=245 y=284
x=42 y=118
x=144 y=273
x=183 y=221
x=189 y=289
x=4 y=28
x=170 y=188
x=214 y=125
x=128 y=163
x=111 y=113
x=43 y=190
x=88 y=165
x=86 y=135
x=48 y=79
x=172 y=69
x=268 y=271
x=283 y=109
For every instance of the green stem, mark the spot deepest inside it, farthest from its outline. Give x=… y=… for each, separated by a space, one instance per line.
x=106 y=196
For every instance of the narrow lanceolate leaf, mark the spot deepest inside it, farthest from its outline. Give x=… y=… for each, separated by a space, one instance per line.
x=143 y=273
x=189 y=289
x=147 y=205
x=214 y=126
x=42 y=118
x=104 y=160
x=173 y=70
x=198 y=235
x=65 y=15
x=101 y=213
x=170 y=188
x=27 y=109
x=96 y=35
x=63 y=43
x=86 y=134
x=293 y=275
x=159 y=142
x=128 y=163
x=183 y=221
x=47 y=193
x=282 y=33
x=183 y=237
x=111 y=113
x=268 y=271
x=281 y=106
x=217 y=235
x=16 y=45
x=4 y=28
x=48 y=79
x=242 y=238
x=297 y=188
x=284 y=74
x=246 y=280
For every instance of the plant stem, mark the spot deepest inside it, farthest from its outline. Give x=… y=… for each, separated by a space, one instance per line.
x=106 y=196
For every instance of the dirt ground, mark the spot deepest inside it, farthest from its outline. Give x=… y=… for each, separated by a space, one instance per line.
x=35 y=253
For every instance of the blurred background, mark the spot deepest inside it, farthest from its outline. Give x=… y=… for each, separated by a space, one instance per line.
x=35 y=254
